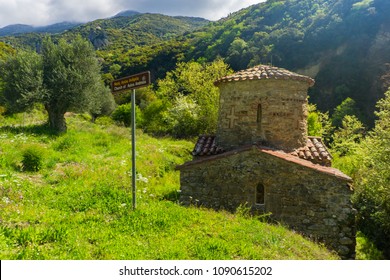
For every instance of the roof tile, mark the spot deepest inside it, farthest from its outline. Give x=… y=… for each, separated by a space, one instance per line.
x=314 y=151
x=206 y=146
x=265 y=72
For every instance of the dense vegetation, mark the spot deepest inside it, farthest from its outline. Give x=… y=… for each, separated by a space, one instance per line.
x=340 y=43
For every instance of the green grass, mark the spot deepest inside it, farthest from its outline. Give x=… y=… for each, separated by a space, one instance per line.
x=78 y=205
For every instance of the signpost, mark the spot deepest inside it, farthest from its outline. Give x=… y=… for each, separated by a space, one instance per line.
x=131 y=83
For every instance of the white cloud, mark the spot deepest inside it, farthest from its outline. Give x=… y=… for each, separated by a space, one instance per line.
x=42 y=12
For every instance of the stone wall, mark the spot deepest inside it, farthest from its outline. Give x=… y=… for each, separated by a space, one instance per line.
x=272 y=111
x=308 y=198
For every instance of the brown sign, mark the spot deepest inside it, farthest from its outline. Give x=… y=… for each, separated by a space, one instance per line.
x=131 y=82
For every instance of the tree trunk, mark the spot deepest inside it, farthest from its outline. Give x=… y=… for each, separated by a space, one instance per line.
x=57 y=120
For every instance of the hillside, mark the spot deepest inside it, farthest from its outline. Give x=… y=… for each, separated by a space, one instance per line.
x=77 y=203
x=343 y=44
x=124 y=31
x=128 y=38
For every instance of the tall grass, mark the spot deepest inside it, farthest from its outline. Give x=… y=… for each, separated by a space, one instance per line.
x=78 y=204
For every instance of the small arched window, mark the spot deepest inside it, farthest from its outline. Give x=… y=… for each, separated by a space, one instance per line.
x=259 y=114
x=260 y=194
x=259 y=119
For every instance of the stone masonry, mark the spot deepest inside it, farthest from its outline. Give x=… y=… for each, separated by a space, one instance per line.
x=271 y=109
x=262 y=157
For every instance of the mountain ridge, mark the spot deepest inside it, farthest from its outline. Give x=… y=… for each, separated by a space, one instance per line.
x=60 y=27
x=343 y=44
x=18 y=29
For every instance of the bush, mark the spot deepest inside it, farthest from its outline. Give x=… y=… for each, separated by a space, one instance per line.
x=183 y=118
x=122 y=114
x=154 y=121
x=104 y=121
x=33 y=157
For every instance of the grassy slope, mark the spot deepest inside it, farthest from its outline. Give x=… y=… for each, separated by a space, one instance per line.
x=78 y=206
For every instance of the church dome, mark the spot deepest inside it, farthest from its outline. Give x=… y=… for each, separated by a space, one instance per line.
x=265 y=72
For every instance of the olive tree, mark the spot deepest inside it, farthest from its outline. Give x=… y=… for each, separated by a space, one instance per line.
x=63 y=77
x=22 y=80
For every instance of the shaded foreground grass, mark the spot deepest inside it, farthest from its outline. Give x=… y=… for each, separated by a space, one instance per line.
x=78 y=205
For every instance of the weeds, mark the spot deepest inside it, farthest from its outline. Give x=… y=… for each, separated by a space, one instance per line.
x=33 y=157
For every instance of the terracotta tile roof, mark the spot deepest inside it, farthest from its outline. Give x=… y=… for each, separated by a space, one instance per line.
x=206 y=146
x=315 y=151
x=264 y=72
x=294 y=159
x=279 y=154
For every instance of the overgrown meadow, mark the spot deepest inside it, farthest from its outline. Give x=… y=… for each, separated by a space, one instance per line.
x=69 y=197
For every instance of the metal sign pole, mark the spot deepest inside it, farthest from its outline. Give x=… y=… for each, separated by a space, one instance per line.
x=133 y=169
x=132 y=82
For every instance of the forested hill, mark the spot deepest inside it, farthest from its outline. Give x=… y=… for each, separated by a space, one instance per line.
x=121 y=32
x=343 y=44
x=126 y=32
x=120 y=39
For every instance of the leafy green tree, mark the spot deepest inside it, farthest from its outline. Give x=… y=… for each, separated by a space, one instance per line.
x=183 y=117
x=155 y=117
x=190 y=98
x=22 y=76
x=238 y=56
x=372 y=198
x=319 y=124
x=71 y=76
x=347 y=107
x=102 y=103
x=347 y=138
x=64 y=77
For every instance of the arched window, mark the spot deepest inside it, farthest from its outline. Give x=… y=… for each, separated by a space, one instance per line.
x=259 y=119
x=260 y=194
x=259 y=114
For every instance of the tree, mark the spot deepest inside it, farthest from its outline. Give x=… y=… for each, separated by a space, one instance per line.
x=102 y=103
x=71 y=76
x=372 y=198
x=347 y=107
x=190 y=98
x=22 y=80
x=347 y=138
x=319 y=124
x=238 y=56
x=64 y=77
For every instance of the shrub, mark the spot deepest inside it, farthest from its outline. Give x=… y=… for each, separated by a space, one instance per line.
x=104 y=121
x=154 y=121
x=33 y=157
x=183 y=118
x=122 y=114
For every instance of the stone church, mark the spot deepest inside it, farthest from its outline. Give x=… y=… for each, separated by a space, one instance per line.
x=262 y=157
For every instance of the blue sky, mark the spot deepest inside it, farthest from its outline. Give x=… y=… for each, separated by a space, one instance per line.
x=43 y=12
